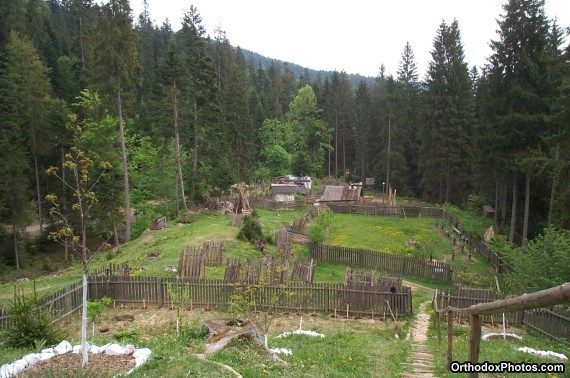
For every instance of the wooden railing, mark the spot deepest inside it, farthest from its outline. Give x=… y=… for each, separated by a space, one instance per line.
x=538 y=300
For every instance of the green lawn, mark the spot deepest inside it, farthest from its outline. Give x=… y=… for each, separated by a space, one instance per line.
x=395 y=235
x=350 y=348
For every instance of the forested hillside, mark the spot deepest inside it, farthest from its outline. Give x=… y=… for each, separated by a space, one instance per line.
x=179 y=115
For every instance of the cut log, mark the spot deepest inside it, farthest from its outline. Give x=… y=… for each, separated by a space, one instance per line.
x=223 y=331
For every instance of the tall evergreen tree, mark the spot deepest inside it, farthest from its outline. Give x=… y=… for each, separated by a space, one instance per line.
x=28 y=99
x=200 y=92
x=409 y=117
x=520 y=72
x=449 y=101
x=362 y=128
x=114 y=69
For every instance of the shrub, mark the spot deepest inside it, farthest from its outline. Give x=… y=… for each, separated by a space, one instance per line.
x=319 y=229
x=32 y=325
x=250 y=230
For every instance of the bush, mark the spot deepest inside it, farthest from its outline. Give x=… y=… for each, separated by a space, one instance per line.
x=319 y=229
x=32 y=326
x=250 y=230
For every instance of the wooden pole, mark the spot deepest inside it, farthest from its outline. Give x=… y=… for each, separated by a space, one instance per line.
x=475 y=342
x=449 y=338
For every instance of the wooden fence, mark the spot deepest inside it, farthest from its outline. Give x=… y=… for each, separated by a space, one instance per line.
x=270 y=204
x=59 y=304
x=314 y=297
x=403 y=211
x=411 y=266
x=479 y=245
x=553 y=322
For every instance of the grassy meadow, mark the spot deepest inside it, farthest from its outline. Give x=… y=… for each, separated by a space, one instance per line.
x=351 y=347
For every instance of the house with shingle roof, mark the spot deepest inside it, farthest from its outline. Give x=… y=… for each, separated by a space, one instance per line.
x=286 y=192
x=342 y=193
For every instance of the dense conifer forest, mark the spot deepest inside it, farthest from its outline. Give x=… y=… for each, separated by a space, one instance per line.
x=167 y=117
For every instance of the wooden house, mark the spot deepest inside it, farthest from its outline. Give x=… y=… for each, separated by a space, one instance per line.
x=286 y=192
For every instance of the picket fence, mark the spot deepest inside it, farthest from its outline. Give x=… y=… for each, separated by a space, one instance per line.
x=353 y=257
x=313 y=297
x=60 y=304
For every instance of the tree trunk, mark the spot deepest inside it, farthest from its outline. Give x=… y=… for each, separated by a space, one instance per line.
x=513 y=210
x=503 y=205
x=336 y=143
x=343 y=126
x=38 y=192
x=16 y=253
x=554 y=183
x=179 y=177
x=497 y=195
x=64 y=204
x=195 y=156
x=125 y=165
x=85 y=357
x=526 y=209
x=389 y=148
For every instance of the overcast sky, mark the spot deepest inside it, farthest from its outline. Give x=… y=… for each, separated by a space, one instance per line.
x=356 y=36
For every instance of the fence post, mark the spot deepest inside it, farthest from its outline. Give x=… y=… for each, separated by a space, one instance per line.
x=326 y=299
x=108 y=288
x=449 y=338
x=160 y=298
x=474 y=343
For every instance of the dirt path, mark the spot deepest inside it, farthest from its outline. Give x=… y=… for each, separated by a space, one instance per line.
x=420 y=361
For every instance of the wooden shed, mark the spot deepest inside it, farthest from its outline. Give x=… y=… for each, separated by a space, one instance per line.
x=286 y=192
x=488 y=211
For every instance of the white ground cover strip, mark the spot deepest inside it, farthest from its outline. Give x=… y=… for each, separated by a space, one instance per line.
x=282 y=351
x=543 y=353
x=488 y=335
x=301 y=332
x=13 y=369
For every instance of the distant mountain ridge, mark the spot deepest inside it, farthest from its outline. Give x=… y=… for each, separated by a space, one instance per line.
x=298 y=70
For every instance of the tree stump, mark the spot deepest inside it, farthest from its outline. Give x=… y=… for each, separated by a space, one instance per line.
x=223 y=331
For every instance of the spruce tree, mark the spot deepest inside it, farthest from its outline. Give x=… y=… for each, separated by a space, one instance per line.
x=445 y=164
x=113 y=70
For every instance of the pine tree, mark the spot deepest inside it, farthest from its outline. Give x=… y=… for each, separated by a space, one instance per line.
x=409 y=117
x=520 y=75
x=114 y=69
x=27 y=96
x=449 y=101
x=362 y=127
x=200 y=93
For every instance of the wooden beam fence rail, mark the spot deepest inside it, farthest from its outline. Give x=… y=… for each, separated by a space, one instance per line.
x=534 y=301
x=381 y=261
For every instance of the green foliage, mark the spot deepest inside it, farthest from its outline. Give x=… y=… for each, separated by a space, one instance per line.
x=96 y=307
x=475 y=202
x=32 y=326
x=471 y=221
x=124 y=335
x=470 y=279
x=542 y=263
x=250 y=229
x=320 y=227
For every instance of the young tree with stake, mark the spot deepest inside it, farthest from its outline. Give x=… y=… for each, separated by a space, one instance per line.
x=74 y=234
